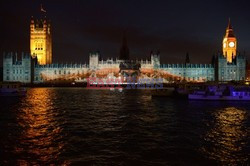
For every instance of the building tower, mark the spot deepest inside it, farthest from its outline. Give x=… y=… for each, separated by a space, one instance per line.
x=40 y=39
x=229 y=44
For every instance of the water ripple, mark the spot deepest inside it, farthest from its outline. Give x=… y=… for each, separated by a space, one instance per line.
x=76 y=126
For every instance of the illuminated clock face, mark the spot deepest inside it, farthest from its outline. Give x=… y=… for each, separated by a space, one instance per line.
x=231 y=44
x=224 y=45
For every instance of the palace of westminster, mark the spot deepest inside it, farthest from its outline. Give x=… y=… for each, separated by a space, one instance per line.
x=37 y=66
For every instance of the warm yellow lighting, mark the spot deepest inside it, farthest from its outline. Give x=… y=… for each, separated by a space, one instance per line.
x=40 y=41
x=229 y=44
x=41 y=128
x=224 y=45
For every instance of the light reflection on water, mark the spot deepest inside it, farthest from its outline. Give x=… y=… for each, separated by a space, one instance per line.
x=101 y=127
x=41 y=136
x=228 y=136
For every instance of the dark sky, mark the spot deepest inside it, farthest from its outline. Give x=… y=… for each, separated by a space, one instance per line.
x=172 y=27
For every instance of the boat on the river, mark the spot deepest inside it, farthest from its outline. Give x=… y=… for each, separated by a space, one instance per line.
x=12 y=89
x=221 y=93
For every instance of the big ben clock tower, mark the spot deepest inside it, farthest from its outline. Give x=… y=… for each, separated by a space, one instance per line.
x=229 y=44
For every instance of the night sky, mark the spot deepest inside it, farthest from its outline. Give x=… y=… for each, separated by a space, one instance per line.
x=172 y=27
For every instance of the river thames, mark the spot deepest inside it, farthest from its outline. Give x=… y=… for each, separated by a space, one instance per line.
x=77 y=126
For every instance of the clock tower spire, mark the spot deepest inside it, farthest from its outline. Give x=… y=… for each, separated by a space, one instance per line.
x=229 y=44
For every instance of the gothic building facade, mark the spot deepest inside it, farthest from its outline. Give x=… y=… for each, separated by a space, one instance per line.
x=37 y=66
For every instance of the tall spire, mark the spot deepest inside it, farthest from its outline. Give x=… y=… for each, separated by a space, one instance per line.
x=187 y=60
x=229 y=30
x=124 y=51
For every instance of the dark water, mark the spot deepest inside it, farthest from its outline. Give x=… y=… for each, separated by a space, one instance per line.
x=75 y=126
